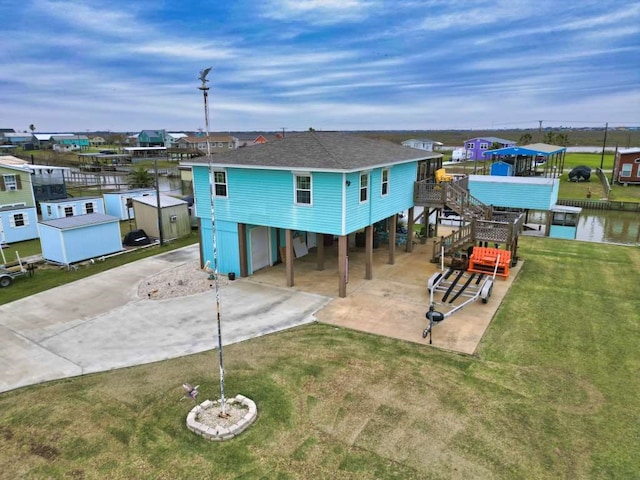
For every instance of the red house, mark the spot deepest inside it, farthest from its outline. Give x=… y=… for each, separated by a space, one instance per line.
x=627 y=166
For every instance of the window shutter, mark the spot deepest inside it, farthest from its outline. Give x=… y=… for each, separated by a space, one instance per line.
x=25 y=219
x=2 y=186
x=12 y=221
x=19 y=182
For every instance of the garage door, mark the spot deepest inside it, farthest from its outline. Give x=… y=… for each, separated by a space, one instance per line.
x=260 y=248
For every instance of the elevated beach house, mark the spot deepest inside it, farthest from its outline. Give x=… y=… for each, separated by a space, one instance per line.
x=274 y=202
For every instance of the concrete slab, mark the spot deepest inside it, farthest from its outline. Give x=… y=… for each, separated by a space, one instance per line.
x=99 y=323
x=395 y=301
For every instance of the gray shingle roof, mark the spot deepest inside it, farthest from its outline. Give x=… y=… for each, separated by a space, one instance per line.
x=79 y=221
x=328 y=151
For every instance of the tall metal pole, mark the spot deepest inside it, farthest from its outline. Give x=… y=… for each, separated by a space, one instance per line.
x=205 y=94
x=604 y=144
x=158 y=206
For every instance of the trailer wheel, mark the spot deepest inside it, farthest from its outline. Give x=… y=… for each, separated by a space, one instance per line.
x=485 y=293
x=5 y=281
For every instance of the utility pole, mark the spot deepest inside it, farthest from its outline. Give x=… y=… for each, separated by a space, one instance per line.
x=604 y=144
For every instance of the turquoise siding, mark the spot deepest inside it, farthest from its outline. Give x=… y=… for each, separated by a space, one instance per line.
x=53 y=210
x=226 y=243
x=503 y=192
x=269 y=201
x=558 y=231
x=12 y=234
x=399 y=198
x=77 y=244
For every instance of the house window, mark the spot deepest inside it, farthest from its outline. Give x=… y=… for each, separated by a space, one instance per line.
x=220 y=144
x=364 y=187
x=484 y=146
x=626 y=170
x=220 y=184
x=230 y=145
x=68 y=211
x=303 y=189
x=384 y=187
x=471 y=146
x=19 y=220
x=88 y=207
x=10 y=182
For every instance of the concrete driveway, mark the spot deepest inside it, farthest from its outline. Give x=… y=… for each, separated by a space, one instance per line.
x=99 y=323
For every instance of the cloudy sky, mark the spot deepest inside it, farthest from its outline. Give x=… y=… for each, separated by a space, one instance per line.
x=328 y=64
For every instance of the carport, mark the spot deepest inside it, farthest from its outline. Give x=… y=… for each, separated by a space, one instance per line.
x=525 y=159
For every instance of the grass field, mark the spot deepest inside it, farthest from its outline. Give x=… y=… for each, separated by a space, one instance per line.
x=552 y=393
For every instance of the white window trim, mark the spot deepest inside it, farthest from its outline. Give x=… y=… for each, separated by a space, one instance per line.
x=225 y=183
x=295 y=189
x=368 y=187
x=626 y=169
x=13 y=185
x=484 y=146
x=382 y=181
x=471 y=146
x=25 y=220
x=85 y=207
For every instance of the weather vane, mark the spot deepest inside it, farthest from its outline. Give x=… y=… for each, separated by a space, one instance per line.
x=203 y=75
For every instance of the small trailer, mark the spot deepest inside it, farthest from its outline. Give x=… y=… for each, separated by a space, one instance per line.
x=10 y=271
x=464 y=284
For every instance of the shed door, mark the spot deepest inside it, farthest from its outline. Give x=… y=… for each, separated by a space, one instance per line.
x=260 y=248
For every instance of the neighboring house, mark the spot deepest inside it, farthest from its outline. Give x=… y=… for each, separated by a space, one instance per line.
x=174 y=216
x=70 y=207
x=171 y=139
x=73 y=239
x=97 y=141
x=249 y=140
x=273 y=202
x=217 y=143
x=18 y=215
x=131 y=139
x=47 y=182
x=151 y=138
x=476 y=147
x=119 y=204
x=18 y=138
x=70 y=142
x=421 y=144
x=627 y=166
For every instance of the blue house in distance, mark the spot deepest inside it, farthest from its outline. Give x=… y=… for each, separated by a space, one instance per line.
x=274 y=201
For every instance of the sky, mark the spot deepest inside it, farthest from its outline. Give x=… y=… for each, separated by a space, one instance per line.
x=75 y=66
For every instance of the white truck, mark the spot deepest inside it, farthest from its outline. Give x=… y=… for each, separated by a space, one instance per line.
x=459 y=155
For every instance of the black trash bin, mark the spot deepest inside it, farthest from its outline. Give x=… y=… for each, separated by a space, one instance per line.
x=231 y=276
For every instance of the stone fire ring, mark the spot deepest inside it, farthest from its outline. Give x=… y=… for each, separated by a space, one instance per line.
x=204 y=421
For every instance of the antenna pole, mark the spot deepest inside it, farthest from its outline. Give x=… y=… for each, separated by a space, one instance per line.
x=205 y=94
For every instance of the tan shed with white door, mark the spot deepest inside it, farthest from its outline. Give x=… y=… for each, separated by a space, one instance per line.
x=174 y=212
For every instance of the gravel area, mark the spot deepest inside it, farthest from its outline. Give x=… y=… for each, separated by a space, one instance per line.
x=212 y=416
x=183 y=280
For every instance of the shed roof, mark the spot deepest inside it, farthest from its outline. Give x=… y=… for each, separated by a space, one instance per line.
x=318 y=151
x=132 y=190
x=71 y=199
x=533 y=149
x=629 y=150
x=517 y=180
x=77 y=221
x=165 y=201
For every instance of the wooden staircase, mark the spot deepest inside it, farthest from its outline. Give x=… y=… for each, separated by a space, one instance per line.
x=482 y=222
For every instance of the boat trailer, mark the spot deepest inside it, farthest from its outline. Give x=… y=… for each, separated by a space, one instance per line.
x=452 y=285
x=10 y=271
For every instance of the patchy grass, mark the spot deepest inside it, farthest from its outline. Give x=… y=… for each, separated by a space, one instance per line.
x=50 y=276
x=552 y=393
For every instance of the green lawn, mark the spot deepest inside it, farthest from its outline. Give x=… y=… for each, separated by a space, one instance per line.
x=552 y=393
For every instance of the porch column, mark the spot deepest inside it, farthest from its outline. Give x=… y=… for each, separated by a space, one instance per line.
x=242 y=246
x=393 y=224
x=320 y=250
x=288 y=234
x=343 y=267
x=368 y=248
x=410 y=233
